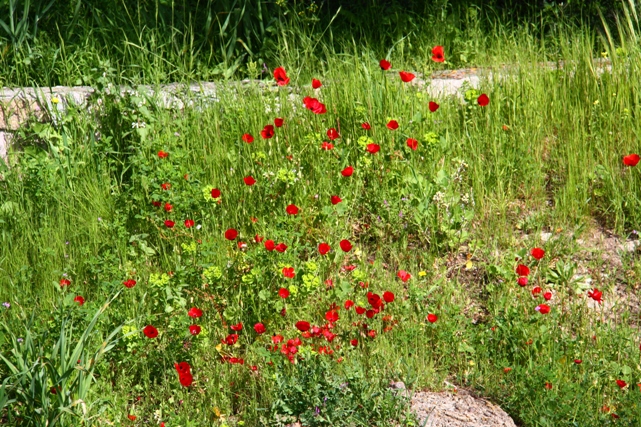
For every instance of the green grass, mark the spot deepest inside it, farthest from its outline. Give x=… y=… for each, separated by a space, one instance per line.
x=77 y=203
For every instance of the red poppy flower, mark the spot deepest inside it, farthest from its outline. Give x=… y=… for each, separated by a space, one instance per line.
x=406 y=77
x=384 y=64
x=186 y=379
x=354 y=342
x=366 y=126
x=631 y=159
x=438 y=54
x=182 y=368
x=543 y=308
x=231 y=234
x=536 y=291
x=231 y=339
x=392 y=125
x=578 y=361
x=327 y=146
x=302 y=325
x=547 y=296
x=258 y=238
x=289 y=272
x=195 y=312
x=194 y=329
x=483 y=100
x=79 y=299
x=371 y=333
x=316 y=83
x=189 y=223
x=349 y=304
x=335 y=200
x=249 y=180
x=314 y=105
x=331 y=316
x=432 y=318
x=283 y=293
x=596 y=295
x=248 y=138
x=621 y=383
x=131 y=417
x=259 y=328
x=267 y=132
x=162 y=154
x=374 y=300
x=433 y=106
x=279 y=122
x=64 y=282
x=345 y=245
x=281 y=76
x=522 y=270
x=156 y=204
x=373 y=148
x=150 y=331
x=348 y=171
x=215 y=193
x=403 y=275
x=522 y=281
x=323 y=248
x=168 y=207
x=281 y=247
x=165 y=186
x=537 y=253
x=412 y=143
x=332 y=134
x=169 y=223
x=277 y=339
x=269 y=245
x=360 y=310
x=130 y=283
x=292 y=210
x=548 y=385
x=388 y=296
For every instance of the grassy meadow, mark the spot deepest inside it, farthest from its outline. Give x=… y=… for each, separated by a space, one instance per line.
x=159 y=268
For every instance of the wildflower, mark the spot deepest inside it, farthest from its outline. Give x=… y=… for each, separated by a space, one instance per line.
x=384 y=64
x=267 y=132
x=316 y=84
x=438 y=54
x=281 y=247
x=388 y=296
x=289 y=272
x=231 y=339
x=194 y=329
x=412 y=143
x=432 y=318
x=168 y=207
x=165 y=186
x=631 y=160
x=302 y=326
x=335 y=200
x=327 y=146
x=537 y=253
x=259 y=328
x=403 y=275
x=248 y=138
x=281 y=76
x=129 y=283
x=621 y=384
x=314 y=105
x=150 y=332
x=345 y=245
x=323 y=248
x=522 y=270
x=596 y=295
x=79 y=299
x=291 y=209
x=543 y=308
x=279 y=122
x=283 y=293
x=348 y=171
x=189 y=223
x=373 y=148
x=354 y=342
x=270 y=245
x=483 y=100
x=231 y=234
x=366 y=126
x=163 y=154
x=169 y=223
x=433 y=106
x=332 y=134
x=547 y=296
x=195 y=312
x=536 y=291
x=522 y=281
x=349 y=304
x=64 y=282
x=392 y=125
x=406 y=77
